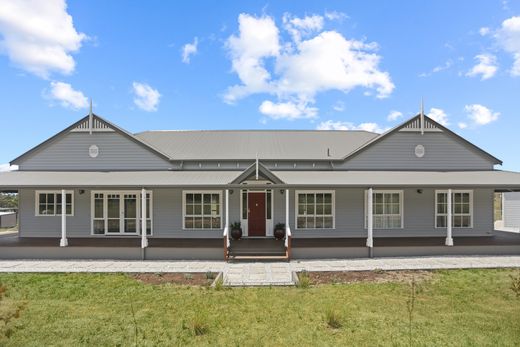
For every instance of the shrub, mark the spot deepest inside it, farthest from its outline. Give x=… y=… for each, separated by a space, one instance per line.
x=210 y=275
x=188 y=276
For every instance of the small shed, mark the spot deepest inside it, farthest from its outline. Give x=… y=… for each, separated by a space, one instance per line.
x=8 y=219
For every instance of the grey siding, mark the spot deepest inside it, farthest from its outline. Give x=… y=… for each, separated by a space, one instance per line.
x=512 y=210
x=419 y=215
x=397 y=152
x=70 y=152
x=349 y=215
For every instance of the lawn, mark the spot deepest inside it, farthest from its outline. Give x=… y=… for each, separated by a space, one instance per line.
x=452 y=308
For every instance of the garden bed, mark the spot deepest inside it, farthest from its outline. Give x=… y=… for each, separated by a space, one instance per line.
x=188 y=279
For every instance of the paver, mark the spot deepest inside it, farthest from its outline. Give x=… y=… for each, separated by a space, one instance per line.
x=260 y=273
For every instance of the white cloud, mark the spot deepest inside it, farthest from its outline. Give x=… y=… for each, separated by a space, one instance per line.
x=484 y=31
x=67 y=96
x=508 y=37
x=188 y=50
x=302 y=67
x=7 y=167
x=39 y=36
x=302 y=27
x=480 y=115
x=145 y=97
x=339 y=106
x=439 y=68
x=339 y=125
x=258 y=39
x=439 y=116
x=462 y=125
x=287 y=110
x=335 y=15
x=394 y=115
x=486 y=67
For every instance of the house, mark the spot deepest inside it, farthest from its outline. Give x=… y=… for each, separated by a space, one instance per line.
x=95 y=190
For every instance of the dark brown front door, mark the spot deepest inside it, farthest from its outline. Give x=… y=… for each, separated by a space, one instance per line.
x=256 y=214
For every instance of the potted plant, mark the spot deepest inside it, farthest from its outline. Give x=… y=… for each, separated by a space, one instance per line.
x=279 y=231
x=236 y=231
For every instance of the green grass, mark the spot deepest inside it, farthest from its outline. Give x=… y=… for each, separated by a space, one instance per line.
x=454 y=308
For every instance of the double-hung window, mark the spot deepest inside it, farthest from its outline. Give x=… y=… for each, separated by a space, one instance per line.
x=315 y=210
x=387 y=209
x=461 y=208
x=48 y=203
x=202 y=210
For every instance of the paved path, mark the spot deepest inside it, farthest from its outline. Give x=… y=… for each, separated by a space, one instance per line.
x=272 y=273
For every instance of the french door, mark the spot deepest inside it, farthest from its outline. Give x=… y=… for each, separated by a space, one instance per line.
x=117 y=213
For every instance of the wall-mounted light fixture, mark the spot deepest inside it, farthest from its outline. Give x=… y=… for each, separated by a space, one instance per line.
x=419 y=191
x=282 y=191
x=81 y=191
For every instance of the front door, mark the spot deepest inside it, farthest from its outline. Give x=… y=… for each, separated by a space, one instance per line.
x=256 y=214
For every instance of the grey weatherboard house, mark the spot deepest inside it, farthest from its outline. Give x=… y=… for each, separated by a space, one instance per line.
x=418 y=189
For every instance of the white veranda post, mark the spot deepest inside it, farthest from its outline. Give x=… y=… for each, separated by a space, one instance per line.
x=63 y=241
x=449 y=238
x=144 y=239
x=226 y=228
x=370 y=218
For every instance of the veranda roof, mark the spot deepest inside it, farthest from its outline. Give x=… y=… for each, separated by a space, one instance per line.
x=32 y=179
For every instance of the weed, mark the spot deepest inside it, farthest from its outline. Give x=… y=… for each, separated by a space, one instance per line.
x=219 y=284
x=515 y=284
x=304 y=281
x=410 y=306
x=199 y=327
x=188 y=276
x=333 y=319
x=210 y=275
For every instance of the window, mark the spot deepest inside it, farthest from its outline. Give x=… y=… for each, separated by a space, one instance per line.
x=461 y=208
x=202 y=210
x=387 y=209
x=119 y=212
x=48 y=203
x=315 y=210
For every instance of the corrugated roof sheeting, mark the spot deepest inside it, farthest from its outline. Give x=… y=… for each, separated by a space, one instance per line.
x=401 y=178
x=246 y=144
x=20 y=179
x=492 y=179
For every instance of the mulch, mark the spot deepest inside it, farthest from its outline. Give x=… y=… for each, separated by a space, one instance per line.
x=188 y=279
x=377 y=276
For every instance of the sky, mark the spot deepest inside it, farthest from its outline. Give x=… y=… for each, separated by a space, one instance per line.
x=260 y=65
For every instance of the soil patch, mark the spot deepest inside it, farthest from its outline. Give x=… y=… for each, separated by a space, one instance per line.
x=189 y=279
x=331 y=277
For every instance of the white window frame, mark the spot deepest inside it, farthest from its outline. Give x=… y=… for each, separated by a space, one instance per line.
x=401 y=207
x=56 y=193
x=453 y=191
x=120 y=192
x=333 y=197
x=184 y=192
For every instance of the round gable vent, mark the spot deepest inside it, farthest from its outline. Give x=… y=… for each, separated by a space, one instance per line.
x=93 y=151
x=420 y=151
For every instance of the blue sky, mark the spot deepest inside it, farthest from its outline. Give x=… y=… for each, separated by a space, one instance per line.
x=261 y=65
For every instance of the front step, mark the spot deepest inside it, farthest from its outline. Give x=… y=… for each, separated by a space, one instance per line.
x=257 y=249
x=253 y=258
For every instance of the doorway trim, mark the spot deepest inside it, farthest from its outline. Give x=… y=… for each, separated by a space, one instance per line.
x=105 y=212
x=269 y=223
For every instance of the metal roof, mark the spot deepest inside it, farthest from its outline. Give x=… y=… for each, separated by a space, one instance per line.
x=33 y=179
x=491 y=179
x=246 y=144
x=21 y=179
